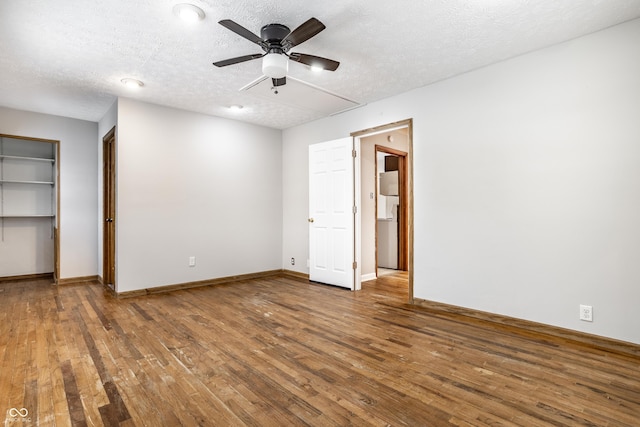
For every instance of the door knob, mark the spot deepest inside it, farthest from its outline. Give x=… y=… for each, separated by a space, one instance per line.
x=310 y=220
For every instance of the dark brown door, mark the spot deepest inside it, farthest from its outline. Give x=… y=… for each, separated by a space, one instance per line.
x=109 y=203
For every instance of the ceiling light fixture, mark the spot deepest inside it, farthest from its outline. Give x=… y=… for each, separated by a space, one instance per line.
x=188 y=12
x=132 y=83
x=236 y=107
x=316 y=68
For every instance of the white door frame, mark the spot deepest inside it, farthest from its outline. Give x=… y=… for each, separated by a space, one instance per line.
x=357 y=222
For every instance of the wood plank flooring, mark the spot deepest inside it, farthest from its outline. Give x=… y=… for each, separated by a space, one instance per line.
x=282 y=352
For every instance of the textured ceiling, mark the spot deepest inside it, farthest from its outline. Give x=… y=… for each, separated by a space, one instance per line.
x=67 y=57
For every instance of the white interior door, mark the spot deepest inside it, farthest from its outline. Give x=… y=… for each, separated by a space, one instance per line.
x=331 y=213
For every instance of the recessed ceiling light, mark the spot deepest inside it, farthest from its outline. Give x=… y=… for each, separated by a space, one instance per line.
x=236 y=107
x=188 y=12
x=132 y=83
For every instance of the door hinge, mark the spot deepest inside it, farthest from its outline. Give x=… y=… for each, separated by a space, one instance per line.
x=355 y=265
x=353 y=153
x=355 y=209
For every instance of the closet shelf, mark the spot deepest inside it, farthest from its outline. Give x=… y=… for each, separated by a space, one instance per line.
x=36 y=159
x=28 y=216
x=7 y=181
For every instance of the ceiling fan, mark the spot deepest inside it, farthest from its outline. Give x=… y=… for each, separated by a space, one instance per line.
x=276 y=40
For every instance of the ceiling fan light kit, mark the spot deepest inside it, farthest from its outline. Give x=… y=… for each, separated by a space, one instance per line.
x=275 y=65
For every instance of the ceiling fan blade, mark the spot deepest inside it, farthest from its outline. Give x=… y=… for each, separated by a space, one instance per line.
x=303 y=33
x=241 y=31
x=279 y=82
x=237 y=60
x=314 y=61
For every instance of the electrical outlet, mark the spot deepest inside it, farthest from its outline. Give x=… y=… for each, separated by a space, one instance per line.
x=586 y=313
x=192 y=261
x=293 y=261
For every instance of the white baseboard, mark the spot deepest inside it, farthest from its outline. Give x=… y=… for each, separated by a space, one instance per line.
x=367 y=277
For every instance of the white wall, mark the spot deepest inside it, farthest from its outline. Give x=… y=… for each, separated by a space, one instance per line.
x=526 y=183
x=368 y=206
x=77 y=162
x=194 y=185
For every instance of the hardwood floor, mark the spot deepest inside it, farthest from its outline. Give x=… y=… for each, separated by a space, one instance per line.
x=281 y=352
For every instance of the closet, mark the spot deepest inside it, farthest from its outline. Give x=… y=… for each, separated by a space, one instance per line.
x=28 y=206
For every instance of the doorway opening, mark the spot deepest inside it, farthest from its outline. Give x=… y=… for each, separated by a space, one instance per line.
x=386 y=202
x=391 y=210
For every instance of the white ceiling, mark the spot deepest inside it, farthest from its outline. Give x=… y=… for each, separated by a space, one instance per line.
x=67 y=57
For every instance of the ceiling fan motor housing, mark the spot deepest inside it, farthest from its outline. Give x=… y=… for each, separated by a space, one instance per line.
x=273 y=34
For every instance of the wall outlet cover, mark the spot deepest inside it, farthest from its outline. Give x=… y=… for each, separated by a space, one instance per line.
x=586 y=313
